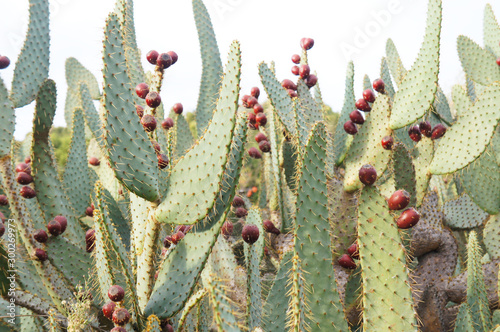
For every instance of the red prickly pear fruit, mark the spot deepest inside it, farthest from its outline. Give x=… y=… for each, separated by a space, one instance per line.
x=227 y=229
x=244 y=100
x=177 y=237
x=357 y=117
x=152 y=56
x=90 y=236
x=311 y=80
x=94 y=161
x=387 y=142
x=498 y=61
x=415 y=134
x=425 y=128
x=3 y=200
x=304 y=71
x=306 y=43
x=296 y=59
x=251 y=118
x=40 y=236
x=118 y=329
x=108 y=310
x=260 y=137
x=258 y=109
x=379 y=85
x=27 y=160
x=353 y=251
x=270 y=228
x=295 y=70
x=23 y=167
x=399 y=200
x=252 y=101
x=369 y=96
x=168 y=328
x=408 y=218
x=4 y=62
x=292 y=93
x=264 y=146
x=347 y=262
x=173 y=56
x=156 y=146
x=153 y=99
x=89 y=211
x=2 y=229
x=438 y=131
x=238 y=202
x=116 y=293
x=253 y=126
x=250 y=234
x=255 y=92
x=148 y=122
x=23 y=178
x=167 y=123
x=62 y=221
x=28 y=192
x=367 y=175
x=363 y=105
x=142 y=90
x=350 y=128
x=183 y=228
x=162 y=161
x=167 y=241
x=288 y=84
x=139 y=110
x=121 y=316
x=261 y=119
x=40 y=254
x=178 y=108
x=163 y=61
x=241 y=212
x=54 y=228
x=254 y=153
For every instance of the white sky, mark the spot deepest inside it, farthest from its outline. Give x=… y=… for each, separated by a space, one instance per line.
x=268 y=30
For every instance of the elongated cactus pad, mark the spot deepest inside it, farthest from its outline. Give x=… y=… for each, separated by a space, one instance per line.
x=479 y=64
x=7 y=121
x=463 y=213
x=491 y=31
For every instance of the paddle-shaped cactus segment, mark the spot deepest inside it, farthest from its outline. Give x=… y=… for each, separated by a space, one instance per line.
x=181 y=134
x=289 y=163
x=297 y=306
x=342 y=141
x=211 y=67
x=495 y=144
x=404 y=172
x=422 y=158
x=181 y=269
x=461 y=100
x=91 y=116
x=275 y=192
x=477 y=298
x=482 y=118
x=464 y=323
x=479 y=64
x=366 y=147
x=394 y=62
x=195 y=181
x=77 y=74
x=463 y=213
x=31 y=301
x=491 y=31
x=353 y=287
x=385 y=75
x=7 y=121
x=191 y=305
x=491 y=234
x=253 y=254
x=387 y=299
x=153 y=324
x=129 y=149
x=50 y=190
x=28 y=77
x=310 y=109
x=417 y=90
x=367 y=84
x=312 y=238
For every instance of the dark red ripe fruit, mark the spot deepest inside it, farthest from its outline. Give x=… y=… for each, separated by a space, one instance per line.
x=156 y=146
x=40 y=236
x=250 y=234
x=425 y=128
x=173 y=56
x=367 y=175
x=142 y=90
x=178 y=108
x=304 y=71
x=139 y=110
x=23 y=178
x=369 y=96
x=399 y=200
x=270 y=228
x=238 y=202
x=153 y=99
x=498 y=62
x=347 y=262
x=295 y=70
x=28 y=192
x=4 y=62
x=408 y=218
x=168 y=328
x=251 y=118
x=22 y=167
x=306 y=43
x=89 y=211
x=255 y=92
x=438 y=131
x=117 y=329
x=227 y=229
x=244 y=100
x=353 y=251
x=254 y=153
x=292 y=93
x=241 y=212
x=415 y=134
x=350 y=128
x=167 y=123
x=94 y=161
x=363 y=105
x=148 y=122
x=177 y=237
x=121 y=316
x=27 y=160
x=54 y=228
x=296 y=58
x=152 y=56
x=387 y=142
x=40 y=254
x=183 y=228
x=62 y=221
x=116 y=293
x=260 y=137
x=288 y=84
x=261 y=119
x=3 y=200
x=164 y=61
x=167 y=241
x=357 y=117
x=264 y=146
x=90 y=236
x=2 y=229
x=108 y=310
x=258 y=109
x=162 y=161
x=252 y=101
x=311 y=80
x=379 y=85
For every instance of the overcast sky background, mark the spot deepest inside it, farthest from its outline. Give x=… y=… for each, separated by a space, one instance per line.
x=267 y=29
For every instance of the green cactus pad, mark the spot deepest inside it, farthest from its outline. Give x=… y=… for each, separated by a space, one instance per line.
x=191 y=305
x=297 y=307
x=129 y=149
x=367 y=84
x=310 y=110
x=422 y=158
x=387 y=297
x=290 y=163
x=224 y=315
x=479 y=64
x=461 y=100
x=77 y=74
x=353 y=289
x=491 y=235
x=253 y=253
x=91 y=116
x=153 y=324
x=195 y=180
x=211 y=67
x=276 y=194
x=495 y=144
x=32 y=65
x=385 y=75
x=182 y=135
x=482 y=118
x=418 y=87
x=491 y=31
x=464 y=323
x=71 y=103
x=312 y=237
x=7 y=121
x=404 y=172
x=463 y=213
x=394 y=62
x=366 y=147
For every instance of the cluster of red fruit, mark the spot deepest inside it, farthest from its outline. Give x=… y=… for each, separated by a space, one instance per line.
x=264 y=146
x=250 y=233
x=24 y=178
x=55 y=227
x=4 y=62
x=363 y=104
x=256 y=118
x=301 y=70
x=176 y=237
x=120 y=316
x=425 y=128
